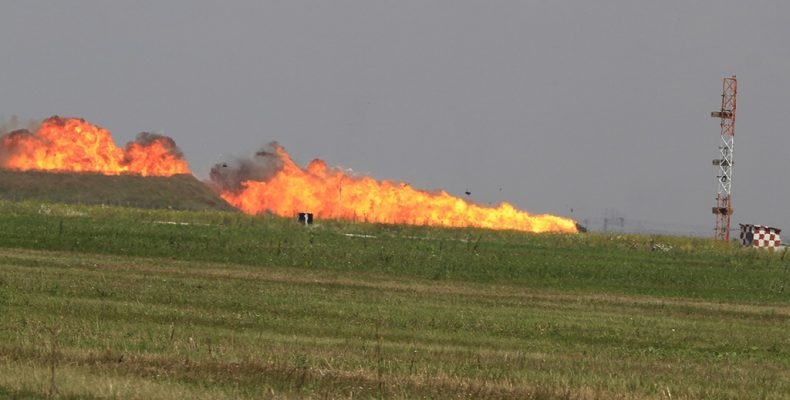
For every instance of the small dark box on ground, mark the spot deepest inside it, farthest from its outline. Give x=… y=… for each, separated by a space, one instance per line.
x=305 y=218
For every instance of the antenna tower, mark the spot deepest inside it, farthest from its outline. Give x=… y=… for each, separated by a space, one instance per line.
x=723 y=208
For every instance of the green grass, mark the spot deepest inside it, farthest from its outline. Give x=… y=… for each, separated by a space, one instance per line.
x=174 y=304
x=181 y=192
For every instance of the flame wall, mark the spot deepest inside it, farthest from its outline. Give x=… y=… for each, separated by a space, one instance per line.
x=73 y=145
x=272 y=183
x=331 y=193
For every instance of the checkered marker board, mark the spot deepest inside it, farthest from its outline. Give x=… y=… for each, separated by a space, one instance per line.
x=760 y=236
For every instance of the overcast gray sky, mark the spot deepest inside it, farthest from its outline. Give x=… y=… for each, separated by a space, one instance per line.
x=561 y=104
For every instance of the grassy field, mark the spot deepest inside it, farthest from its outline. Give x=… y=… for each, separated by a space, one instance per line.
x=127 y=303
x=181 y=192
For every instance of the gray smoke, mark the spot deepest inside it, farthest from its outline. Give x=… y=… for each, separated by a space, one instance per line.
x=228 y=175
x=147 y=138
x=14 y=124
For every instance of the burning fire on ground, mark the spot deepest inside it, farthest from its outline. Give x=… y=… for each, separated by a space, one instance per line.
x=73 y=145
x=273 y=182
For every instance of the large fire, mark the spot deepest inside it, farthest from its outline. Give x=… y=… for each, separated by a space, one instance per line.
x=331 y=193
x=73 y=145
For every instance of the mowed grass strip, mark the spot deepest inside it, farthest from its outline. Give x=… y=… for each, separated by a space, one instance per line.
x=667 y=267
x=142 y=327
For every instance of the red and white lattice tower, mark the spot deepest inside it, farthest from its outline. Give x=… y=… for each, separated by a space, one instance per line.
x=723 y=208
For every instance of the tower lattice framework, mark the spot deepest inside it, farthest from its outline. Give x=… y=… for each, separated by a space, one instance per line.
x=723 y=208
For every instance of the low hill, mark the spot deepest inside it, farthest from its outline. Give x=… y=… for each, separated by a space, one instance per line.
x=181 y=192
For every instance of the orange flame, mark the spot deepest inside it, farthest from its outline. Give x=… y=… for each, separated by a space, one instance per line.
x=73 y=145
x=330 y=193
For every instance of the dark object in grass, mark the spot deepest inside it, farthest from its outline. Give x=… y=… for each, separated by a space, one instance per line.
x=305 y=218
